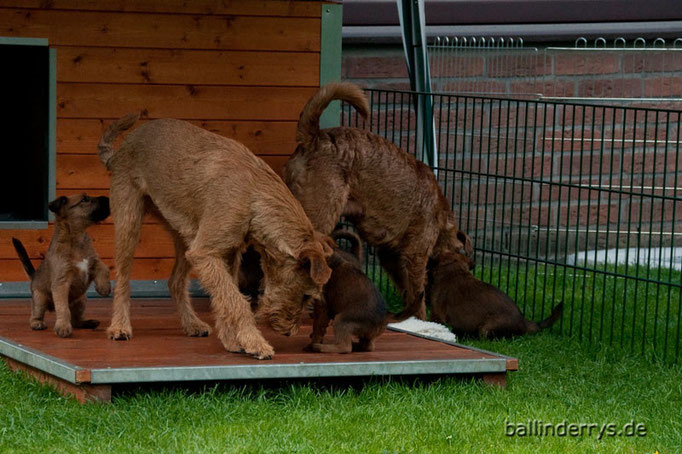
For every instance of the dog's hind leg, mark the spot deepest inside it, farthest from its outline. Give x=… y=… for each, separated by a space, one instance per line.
x=178 y=287
x=77 y=311
x=235 y=322
x=38 y=307
x=324 y=207
x=127 y=210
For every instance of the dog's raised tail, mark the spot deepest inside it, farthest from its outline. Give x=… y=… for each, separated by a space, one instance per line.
x=106 y=143
x=309 y=123
x=352 y=238
x=553 y=317
x=23 y=258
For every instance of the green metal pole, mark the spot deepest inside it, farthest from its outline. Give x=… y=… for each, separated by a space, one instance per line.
x=412 y=21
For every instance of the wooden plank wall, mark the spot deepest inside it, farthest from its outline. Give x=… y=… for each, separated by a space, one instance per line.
x=243 y=69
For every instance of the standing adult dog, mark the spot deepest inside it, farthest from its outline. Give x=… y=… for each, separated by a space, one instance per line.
x=393 y=199
x=215 y=197
x=70 y=265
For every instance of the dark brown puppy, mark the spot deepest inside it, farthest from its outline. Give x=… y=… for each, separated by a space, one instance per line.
x=474 y=308
x=393 y=199
x=70 y=265
x=350 y=299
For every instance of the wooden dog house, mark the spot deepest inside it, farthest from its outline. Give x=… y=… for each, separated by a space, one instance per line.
x=241 y=68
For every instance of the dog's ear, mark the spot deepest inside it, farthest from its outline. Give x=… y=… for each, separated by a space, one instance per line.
x=316 y=263
x=467 y=245
x=328 y=245
x=57 y=204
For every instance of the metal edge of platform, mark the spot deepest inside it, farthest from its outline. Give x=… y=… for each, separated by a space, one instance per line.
x=454 y=344
x=299 y=370
x=39 y=360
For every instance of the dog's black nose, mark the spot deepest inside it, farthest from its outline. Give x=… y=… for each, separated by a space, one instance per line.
x=102 y=211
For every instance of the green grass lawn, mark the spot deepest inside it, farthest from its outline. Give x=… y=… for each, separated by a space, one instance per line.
x=558 y=381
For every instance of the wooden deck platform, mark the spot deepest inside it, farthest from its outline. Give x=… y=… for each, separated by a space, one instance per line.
x=88 y=364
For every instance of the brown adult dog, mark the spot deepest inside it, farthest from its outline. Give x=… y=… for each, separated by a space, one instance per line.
x=350 y=299
x=393 y=199
x=70 y=265
x=475 y=308
x=215 y=197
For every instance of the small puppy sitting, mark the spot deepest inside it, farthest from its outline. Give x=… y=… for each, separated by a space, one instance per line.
x=350 y=299
x=475 y=308
x=70 y=265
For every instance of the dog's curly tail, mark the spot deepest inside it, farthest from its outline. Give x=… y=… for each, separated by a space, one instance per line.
x=23 y=258
x=106 y=143
x=309 y=122
x=352 y=238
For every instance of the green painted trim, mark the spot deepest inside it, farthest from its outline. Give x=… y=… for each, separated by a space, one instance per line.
x=52 y=132
x=4 y=40
x=23 y=225
x=330 y=58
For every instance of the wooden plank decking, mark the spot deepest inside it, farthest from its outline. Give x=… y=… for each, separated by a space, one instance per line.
x=88 y=364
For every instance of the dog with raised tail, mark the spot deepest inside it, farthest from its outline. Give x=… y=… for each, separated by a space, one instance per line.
x=475 y=308
x=393 y=199
x=70 y=266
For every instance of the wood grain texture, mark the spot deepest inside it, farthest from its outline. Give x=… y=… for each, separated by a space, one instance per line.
x=155 y=241
x=159 y=341
x=143 y=269
x=208 y=7
x=77 y=136
x=187 y=102
x=85 y=172
x=163 y=31
x=159 y=66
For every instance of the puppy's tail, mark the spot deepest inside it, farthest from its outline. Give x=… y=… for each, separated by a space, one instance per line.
x=106 y=143
x=23 y=257
x=549 y=321
x=352 y=238
x=309 y=123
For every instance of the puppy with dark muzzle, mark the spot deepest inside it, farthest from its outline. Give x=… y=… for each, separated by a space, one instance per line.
x=474 y=308
x=70 y=265
x=350 y=299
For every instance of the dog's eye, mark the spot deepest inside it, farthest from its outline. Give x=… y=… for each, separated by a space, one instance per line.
x=84 y=199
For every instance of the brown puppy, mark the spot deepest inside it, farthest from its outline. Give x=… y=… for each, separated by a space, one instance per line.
x=393 y=199
x=215 y=197
x=350 y=299
x=475 y=308
x=70 y=265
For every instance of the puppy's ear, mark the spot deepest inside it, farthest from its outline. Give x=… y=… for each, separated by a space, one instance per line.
x=328 y=245
x=57 y=204
x=316 y=263
x=467 y=245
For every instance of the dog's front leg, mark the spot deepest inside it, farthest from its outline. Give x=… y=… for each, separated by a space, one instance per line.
x=235 y=322
x=60 y=296
x=320 y=323
x=102 y=282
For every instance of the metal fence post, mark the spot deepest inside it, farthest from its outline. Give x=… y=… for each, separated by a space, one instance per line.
x=411 y=13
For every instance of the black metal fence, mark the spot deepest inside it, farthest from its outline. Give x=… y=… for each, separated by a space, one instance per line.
x=564 y=202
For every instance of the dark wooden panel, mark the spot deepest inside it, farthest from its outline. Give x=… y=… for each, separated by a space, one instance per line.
x=76 y=136
x=85 y=172
x=158 y=66
x=230 y=7
x=187 y=102
x=164 y=31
